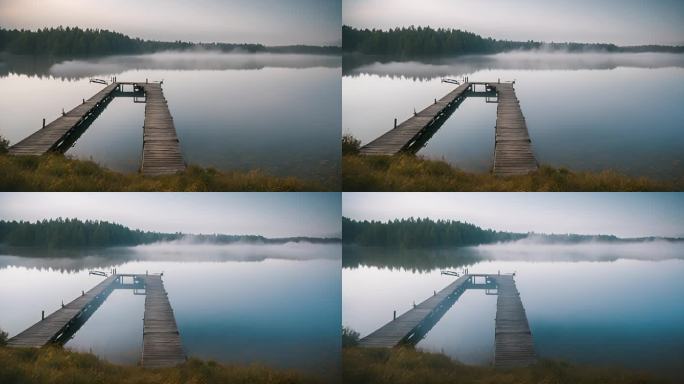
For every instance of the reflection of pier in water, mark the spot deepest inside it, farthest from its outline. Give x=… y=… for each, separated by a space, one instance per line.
x=513 y=338
x=512 y=149
x=161 y=340
x=161 y=152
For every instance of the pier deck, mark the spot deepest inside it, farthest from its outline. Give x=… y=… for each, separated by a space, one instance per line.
x=512 y=149
x=406 y=133
x=513 y=338
x=162 y=345
x=47 y=330
x=404 y=326
x=514 y=345
x=49 y=137
x=161 y=153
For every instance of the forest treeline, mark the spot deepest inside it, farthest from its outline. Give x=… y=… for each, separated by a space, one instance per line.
x=414 y=233
x=67 y=233
x=75 y=41
x=425 y=41
x=73 y=233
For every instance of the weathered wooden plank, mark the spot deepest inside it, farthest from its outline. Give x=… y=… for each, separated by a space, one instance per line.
x=396 y=331
x=161 y=147
x=513 y=338
x=48 y=137
x=162 y=346
x=399 y=138
x=45 y=331
x=513 y=147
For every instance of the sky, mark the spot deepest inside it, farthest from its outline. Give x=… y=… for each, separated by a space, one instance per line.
x=623 y=22
x=271 y=22
x=266 y=214
x=620 y=214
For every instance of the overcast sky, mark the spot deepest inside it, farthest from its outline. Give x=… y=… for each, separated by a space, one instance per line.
x=267 y=214
x=624 y=22
x=271 y=22
x=621 y=214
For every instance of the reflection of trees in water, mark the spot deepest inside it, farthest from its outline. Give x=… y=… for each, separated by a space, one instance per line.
x=354 y=65
x=76 y=260
x=416 y=260
x=77 y=69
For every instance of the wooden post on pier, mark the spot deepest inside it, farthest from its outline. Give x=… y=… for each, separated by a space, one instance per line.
x=395 y=122
x=42 y=315
x=43 y=122
x=395 y=315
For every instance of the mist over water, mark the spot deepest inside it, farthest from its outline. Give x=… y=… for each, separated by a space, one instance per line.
x=584 y=111
x=514 y=60
x=539 y=249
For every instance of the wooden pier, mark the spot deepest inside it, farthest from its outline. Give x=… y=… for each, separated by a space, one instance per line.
x=513 y=147
x=51 y=327
x=512 y=150
x=514 y=345
x=161 y=147
x=405 y=326
x=162 y=346
x=403 y=135
x=161 y=154
x=512 y=335
x=50 y=136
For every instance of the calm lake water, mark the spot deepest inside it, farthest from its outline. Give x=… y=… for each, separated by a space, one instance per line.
x=277 y=305
x=276 y=112
x=598 y=304
x=587 y=111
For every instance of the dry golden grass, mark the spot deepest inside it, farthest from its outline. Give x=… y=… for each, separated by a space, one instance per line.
x=55 y=172
x=408 y=366
x=412 y=173
x=55 y=365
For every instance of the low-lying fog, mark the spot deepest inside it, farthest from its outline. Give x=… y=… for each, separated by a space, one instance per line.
x=167 y=60
x=185 y=250
x=537 y=249
x=515 y=60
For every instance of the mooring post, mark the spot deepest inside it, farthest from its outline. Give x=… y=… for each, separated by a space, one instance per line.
x=83 y=101
x=395 y=315
x=414 y=112
x=414 y=303
x=435 y=293
x=435 y=101
x=395 y=122
x=42 y=315
x=43 y=122
x=82 y=293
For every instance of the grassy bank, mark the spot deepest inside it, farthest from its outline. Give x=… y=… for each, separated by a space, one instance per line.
x=413 y=173
x=408 y=366
x=55 y=366
x=55 y=172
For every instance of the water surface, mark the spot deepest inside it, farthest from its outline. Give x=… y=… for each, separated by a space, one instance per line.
x=584 y=303
x=277 y=305
x=585 y=111
x=276 y=112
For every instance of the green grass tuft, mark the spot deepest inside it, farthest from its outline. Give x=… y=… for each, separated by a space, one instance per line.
x=412 y=173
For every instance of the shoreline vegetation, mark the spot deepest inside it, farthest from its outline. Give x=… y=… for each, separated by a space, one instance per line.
x=74 y=41
x=53 y=365
x=405 y=365
x=56 y=172
x=409 y=172
x=414 y=42
x=73 y=233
